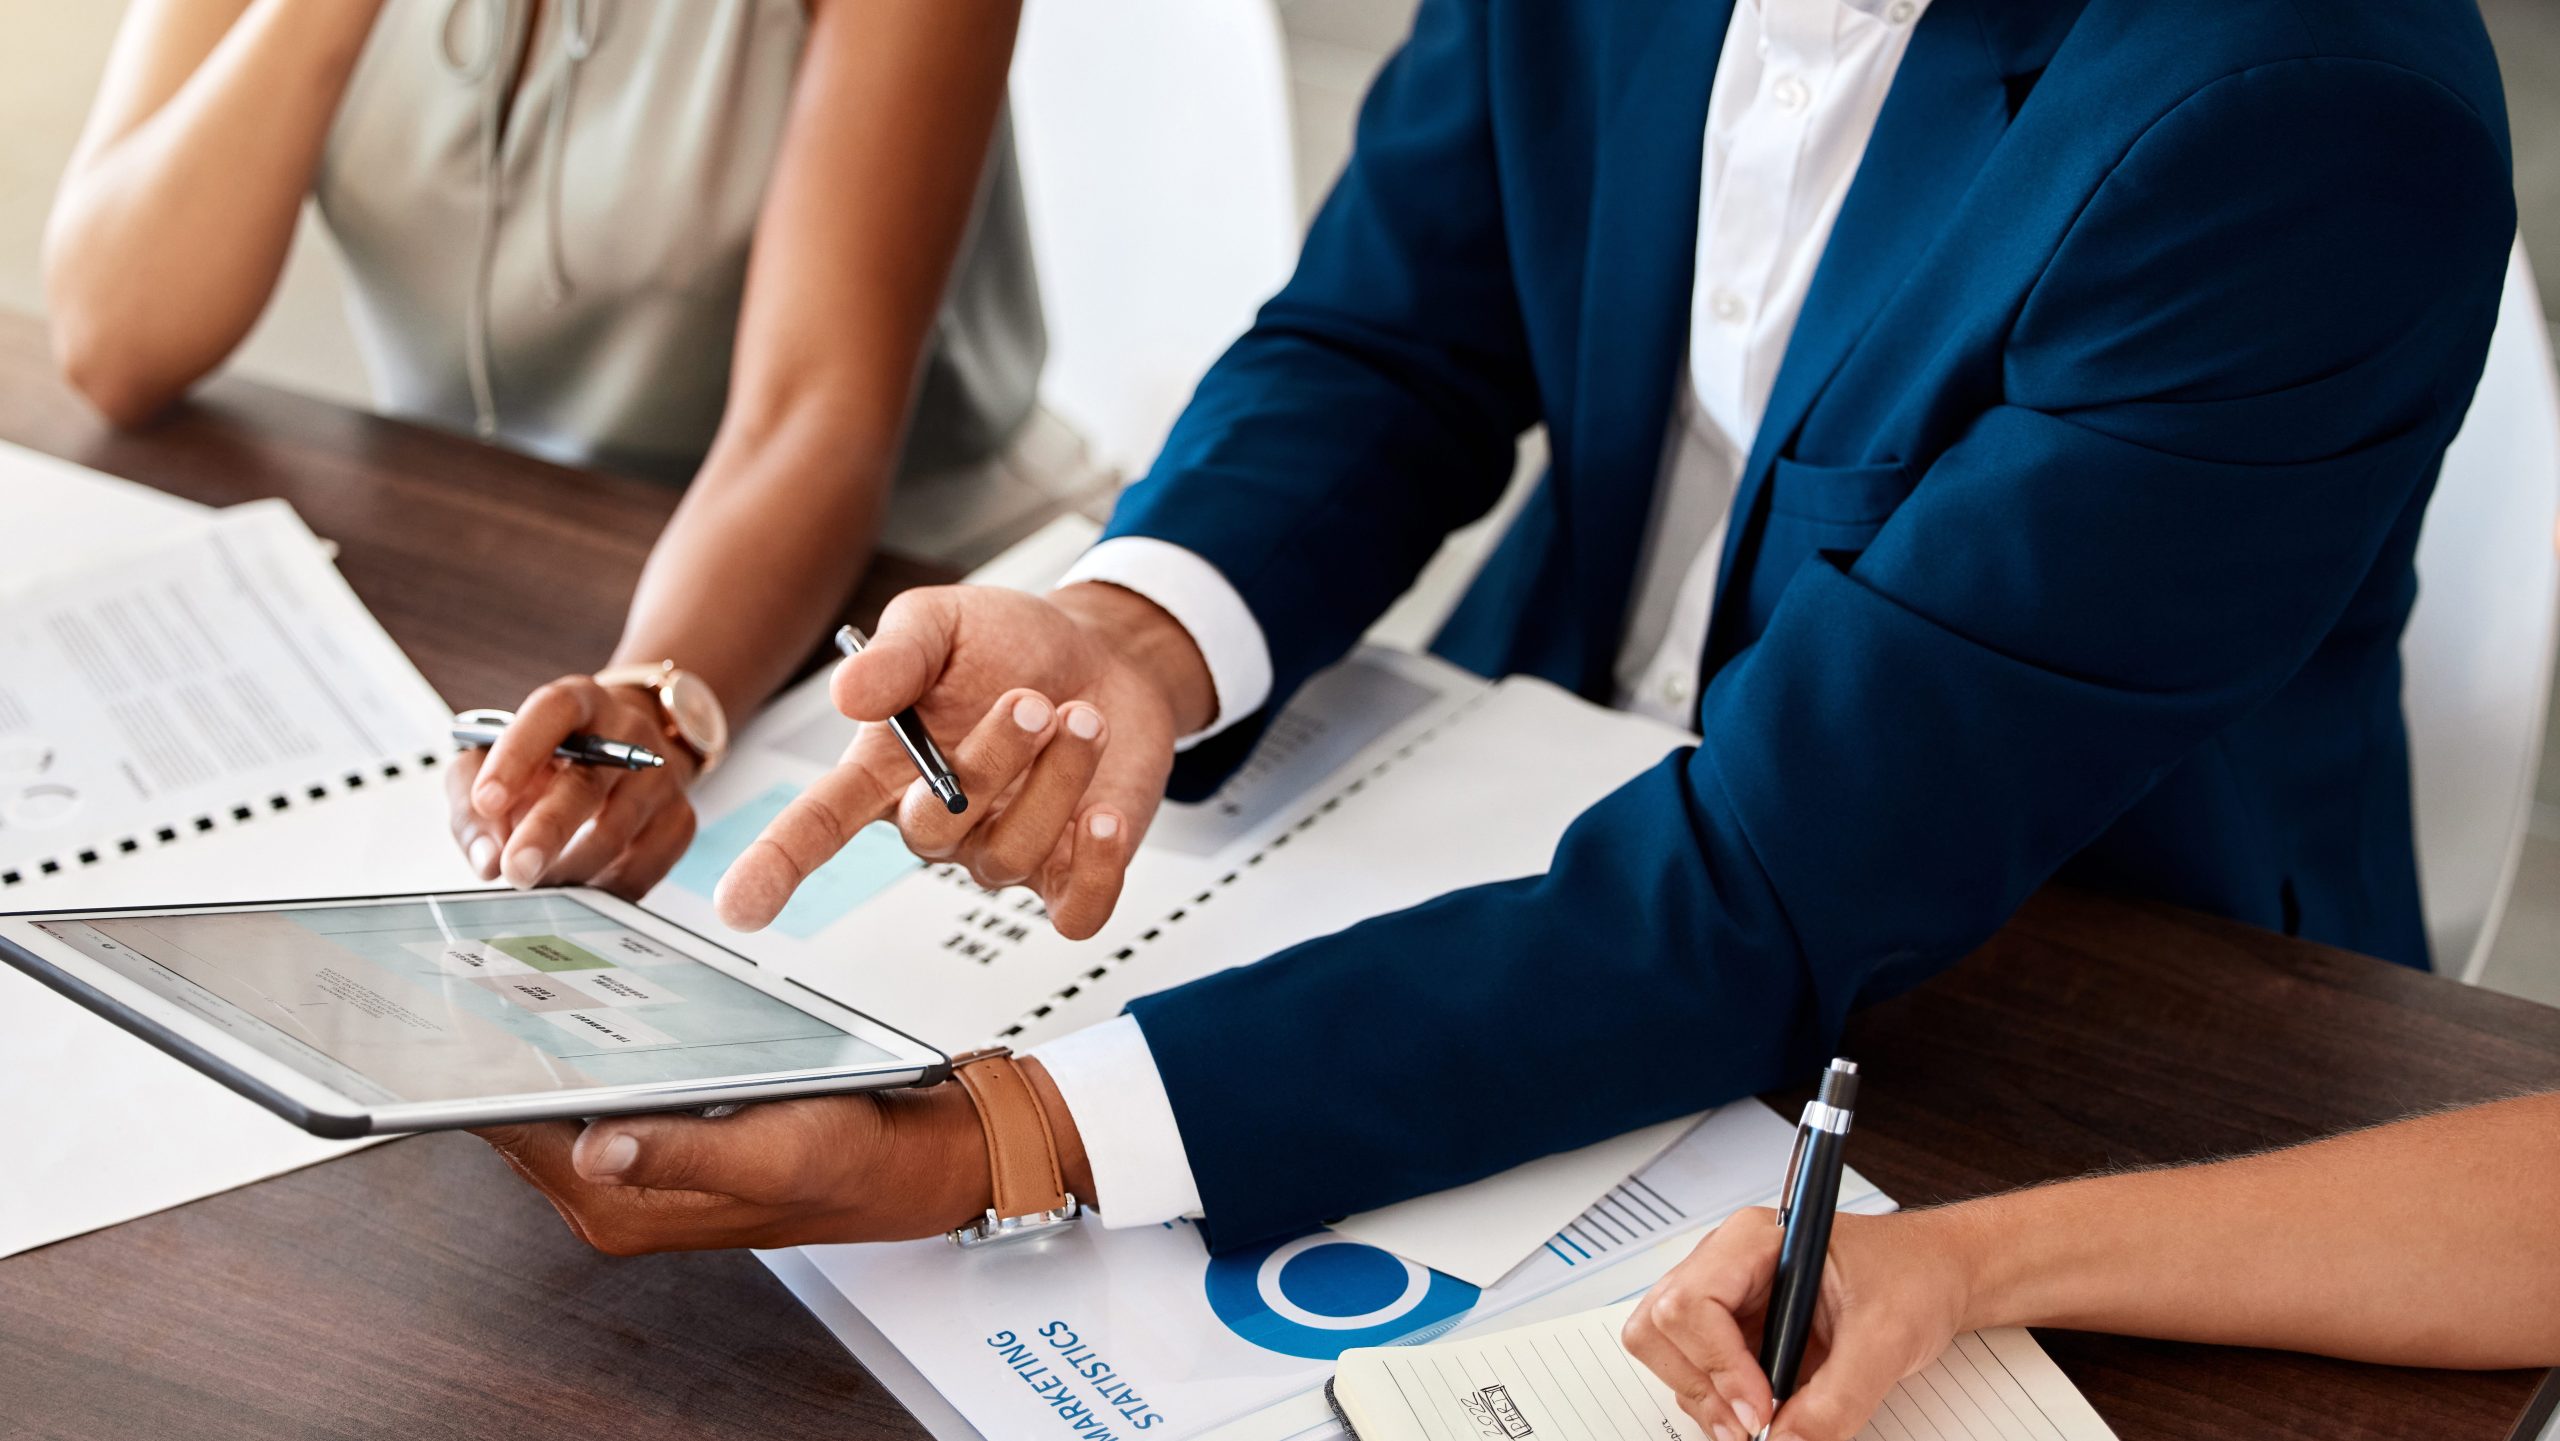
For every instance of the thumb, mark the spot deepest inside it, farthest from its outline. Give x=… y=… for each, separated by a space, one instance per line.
x=904 y=659
x=764 y=1153
x=1864 y=1365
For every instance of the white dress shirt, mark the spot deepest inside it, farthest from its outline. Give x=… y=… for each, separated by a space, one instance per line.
x=1795 y=100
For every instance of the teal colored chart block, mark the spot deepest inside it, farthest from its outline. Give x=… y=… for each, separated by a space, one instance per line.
x=865 y=867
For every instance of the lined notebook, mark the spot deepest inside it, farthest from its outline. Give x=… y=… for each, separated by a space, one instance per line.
x=167 y=692
x=1570 y=1380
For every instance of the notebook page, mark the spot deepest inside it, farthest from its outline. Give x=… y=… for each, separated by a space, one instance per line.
x=1570 y=1379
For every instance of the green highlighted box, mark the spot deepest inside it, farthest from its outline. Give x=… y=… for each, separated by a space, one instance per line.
x=550 y=953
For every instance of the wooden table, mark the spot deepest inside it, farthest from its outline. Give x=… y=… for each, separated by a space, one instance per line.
x=417 y=1290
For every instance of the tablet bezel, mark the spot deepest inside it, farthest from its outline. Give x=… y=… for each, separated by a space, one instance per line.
x=323 y=1110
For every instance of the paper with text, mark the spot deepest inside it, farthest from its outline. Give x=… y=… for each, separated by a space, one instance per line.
x=100 y=1126
x=210 y=675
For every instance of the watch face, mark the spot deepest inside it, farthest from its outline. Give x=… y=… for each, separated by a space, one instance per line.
x=696 y=713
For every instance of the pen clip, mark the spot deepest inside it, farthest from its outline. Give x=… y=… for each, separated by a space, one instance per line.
x=1787 y=1187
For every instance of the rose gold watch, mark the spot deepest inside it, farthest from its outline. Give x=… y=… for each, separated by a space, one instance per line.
x=687 y=709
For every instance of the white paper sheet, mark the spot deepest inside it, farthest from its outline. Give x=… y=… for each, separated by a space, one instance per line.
x=160 y=692
x=63 y=515
x=100 y=1127
x=1475 y=1232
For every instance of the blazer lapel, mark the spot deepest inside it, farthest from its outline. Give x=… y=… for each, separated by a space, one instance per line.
x=1949 y=105
x=1634 y=309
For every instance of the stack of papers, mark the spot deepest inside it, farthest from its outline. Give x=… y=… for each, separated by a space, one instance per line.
x=172 y=665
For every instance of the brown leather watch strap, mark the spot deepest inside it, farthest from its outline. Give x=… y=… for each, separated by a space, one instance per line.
x=1022 y=1152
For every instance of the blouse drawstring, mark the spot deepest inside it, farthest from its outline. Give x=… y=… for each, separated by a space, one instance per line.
x=578 y=30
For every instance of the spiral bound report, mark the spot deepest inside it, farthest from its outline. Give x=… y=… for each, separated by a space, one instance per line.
x=171 y=693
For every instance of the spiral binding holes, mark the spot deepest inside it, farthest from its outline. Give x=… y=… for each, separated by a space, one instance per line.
x=28 y=872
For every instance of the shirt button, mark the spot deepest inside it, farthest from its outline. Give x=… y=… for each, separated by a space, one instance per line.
x=1791 y=93
x=1901 y=11
x=1675 y=687
x=1726 y=306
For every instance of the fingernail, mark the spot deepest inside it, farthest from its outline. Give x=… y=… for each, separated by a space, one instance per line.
x=615 y=1156
x=1031 y=712
x=525 y=867
x=1104 y=825
x=484 y=855
x=489 y=798
x=1084 y=723
x=1726 y=1433
x=1748 y=1415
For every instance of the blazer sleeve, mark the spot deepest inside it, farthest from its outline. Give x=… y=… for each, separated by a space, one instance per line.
x=2235 y=376
x=1377 y=401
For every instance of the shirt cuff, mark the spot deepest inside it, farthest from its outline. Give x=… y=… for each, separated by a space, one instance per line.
x=1108 y=1078
x=1200 y=600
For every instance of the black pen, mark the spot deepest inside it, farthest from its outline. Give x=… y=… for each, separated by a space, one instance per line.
x=480 y=729
x=1806 y=1201
x=910 y=731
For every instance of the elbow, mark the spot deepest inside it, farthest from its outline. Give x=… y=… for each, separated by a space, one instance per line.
x=107 y=372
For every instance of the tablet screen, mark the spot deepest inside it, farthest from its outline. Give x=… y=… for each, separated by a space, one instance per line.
x=445 y=999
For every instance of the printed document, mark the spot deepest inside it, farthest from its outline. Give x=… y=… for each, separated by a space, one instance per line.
x=112 y=697
x=163 y=692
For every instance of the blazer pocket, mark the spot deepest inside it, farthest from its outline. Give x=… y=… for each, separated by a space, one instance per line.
x=1847 y=495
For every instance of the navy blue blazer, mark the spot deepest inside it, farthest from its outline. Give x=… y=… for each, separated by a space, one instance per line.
x=2077 y=540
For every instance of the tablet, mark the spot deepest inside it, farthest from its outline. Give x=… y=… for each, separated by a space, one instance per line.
x=415 y=1013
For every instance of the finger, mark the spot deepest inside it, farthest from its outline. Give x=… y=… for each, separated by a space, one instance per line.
x=1695 y=1389
x=1127 y=787
x=539 y=1152
x=810 y=829
x=1081 y=887
x=533 y=848
x=764 y=1154
x=523 y=752
x=471 y=830
x=651 y=854
x=1846 y=1385
x=628 y=806
x=904 y=657
x=1011 y=845
x=1698 y=1309
x=990 y=758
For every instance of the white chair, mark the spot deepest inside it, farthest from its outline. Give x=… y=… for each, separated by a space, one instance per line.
x=1157 y=170
x=2477 y=656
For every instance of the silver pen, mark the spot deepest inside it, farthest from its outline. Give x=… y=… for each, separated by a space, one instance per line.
x=480 y=729
x=908 y=727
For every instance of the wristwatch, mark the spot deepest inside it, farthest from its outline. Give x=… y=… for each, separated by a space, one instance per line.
x=1031 y=1197
x=687 y=709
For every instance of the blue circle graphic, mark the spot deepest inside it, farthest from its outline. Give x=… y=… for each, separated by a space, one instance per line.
x=1321 y=1294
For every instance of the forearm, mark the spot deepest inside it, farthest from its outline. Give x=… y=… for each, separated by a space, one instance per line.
x=178 y=212
x=2433 y=1242
x=760 y=556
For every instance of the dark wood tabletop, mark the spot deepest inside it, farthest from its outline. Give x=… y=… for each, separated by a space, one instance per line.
x=416 y=1289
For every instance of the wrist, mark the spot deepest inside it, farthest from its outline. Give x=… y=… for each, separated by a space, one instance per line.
x=946 y=1148
x=946 y=1145
x=1147 y=639
x=2004 y=1255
